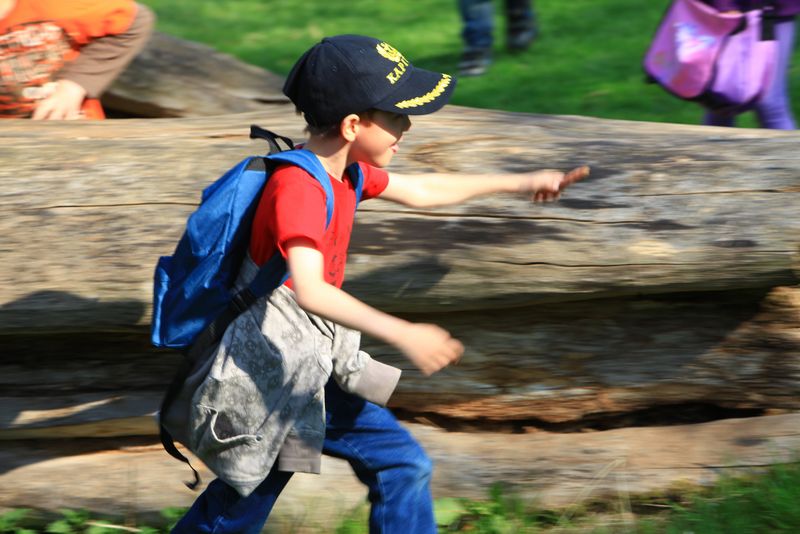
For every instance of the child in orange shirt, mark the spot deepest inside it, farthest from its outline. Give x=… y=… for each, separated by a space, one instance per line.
x=58 y=56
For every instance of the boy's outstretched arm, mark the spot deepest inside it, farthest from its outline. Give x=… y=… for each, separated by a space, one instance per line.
x=427 y=346
x=439 y=189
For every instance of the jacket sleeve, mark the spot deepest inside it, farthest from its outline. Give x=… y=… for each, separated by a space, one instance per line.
x=375 y=381
x=357 y=372
x=103 y=58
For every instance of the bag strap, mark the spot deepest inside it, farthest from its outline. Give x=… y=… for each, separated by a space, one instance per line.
x=357 y=177
x=181 y=374
x=257 y=132
x=309 y=162
x=768 y=20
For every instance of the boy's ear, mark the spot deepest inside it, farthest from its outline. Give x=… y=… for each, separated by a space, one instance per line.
x=349 y=127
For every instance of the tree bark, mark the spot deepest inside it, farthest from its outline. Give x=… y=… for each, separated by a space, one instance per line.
x=591 y=364
x=668 y=209
x=665 y=279
x=137 y=479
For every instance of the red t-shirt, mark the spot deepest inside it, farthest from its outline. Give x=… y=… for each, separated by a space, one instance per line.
x=293 y=205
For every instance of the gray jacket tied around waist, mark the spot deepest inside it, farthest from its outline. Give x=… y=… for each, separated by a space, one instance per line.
x=258 y=396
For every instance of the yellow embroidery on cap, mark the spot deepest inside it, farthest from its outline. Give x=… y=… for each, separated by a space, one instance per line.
x=427 y=97
x=398 y=71
x=389 y=52
x=392 y=54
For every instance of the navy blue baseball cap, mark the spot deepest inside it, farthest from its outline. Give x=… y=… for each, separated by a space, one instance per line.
x=348 y=74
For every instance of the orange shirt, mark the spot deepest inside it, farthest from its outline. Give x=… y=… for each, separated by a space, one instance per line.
x=39 y=36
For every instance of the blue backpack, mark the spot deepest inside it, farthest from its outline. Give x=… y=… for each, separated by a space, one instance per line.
x=193 y=300
x=192 y=288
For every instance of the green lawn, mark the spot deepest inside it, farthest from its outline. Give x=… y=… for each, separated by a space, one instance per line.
x=587 y=60
x=755 y=504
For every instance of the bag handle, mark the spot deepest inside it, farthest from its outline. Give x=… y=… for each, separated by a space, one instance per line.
x=257 y=132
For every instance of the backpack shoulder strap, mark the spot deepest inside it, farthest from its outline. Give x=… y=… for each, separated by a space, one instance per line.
x=257 y=132
x=273 y=273
x=308 y=161
x=357 y=177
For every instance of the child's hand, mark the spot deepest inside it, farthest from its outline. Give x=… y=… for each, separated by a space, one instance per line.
x=546 y=186
x=63 y=103
x=429 y=347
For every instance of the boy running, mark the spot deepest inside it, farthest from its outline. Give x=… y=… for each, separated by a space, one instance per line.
x=262 y=405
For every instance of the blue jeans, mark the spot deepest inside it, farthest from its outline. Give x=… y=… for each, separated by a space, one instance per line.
x=384 y=456
x=478 y=19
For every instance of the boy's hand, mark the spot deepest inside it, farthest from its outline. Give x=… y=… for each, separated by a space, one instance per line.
x=546 y=186
x=429 y=347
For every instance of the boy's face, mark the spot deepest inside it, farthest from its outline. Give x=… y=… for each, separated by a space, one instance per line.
x=378 y=137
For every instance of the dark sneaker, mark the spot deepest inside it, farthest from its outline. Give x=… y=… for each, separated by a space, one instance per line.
x=475 y=62
x=521 y=31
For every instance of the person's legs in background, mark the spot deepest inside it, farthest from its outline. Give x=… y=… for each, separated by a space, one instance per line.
x=478 y=24
x=521 y=24
x=712 y=118
x=386 y=458
x=774 y=110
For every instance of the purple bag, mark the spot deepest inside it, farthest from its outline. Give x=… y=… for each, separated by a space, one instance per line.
x=723 y=61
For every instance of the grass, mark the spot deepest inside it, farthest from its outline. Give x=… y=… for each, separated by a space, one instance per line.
x=753 y=504
x=27 y=521
x=587 y=60
x=769 y=503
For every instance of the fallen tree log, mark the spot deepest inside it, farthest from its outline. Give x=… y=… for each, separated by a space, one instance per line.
x=590 y=364
x=174 y=77
x=661 y=290
x=665 y=279
x=669 y=209
x=138 y=479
